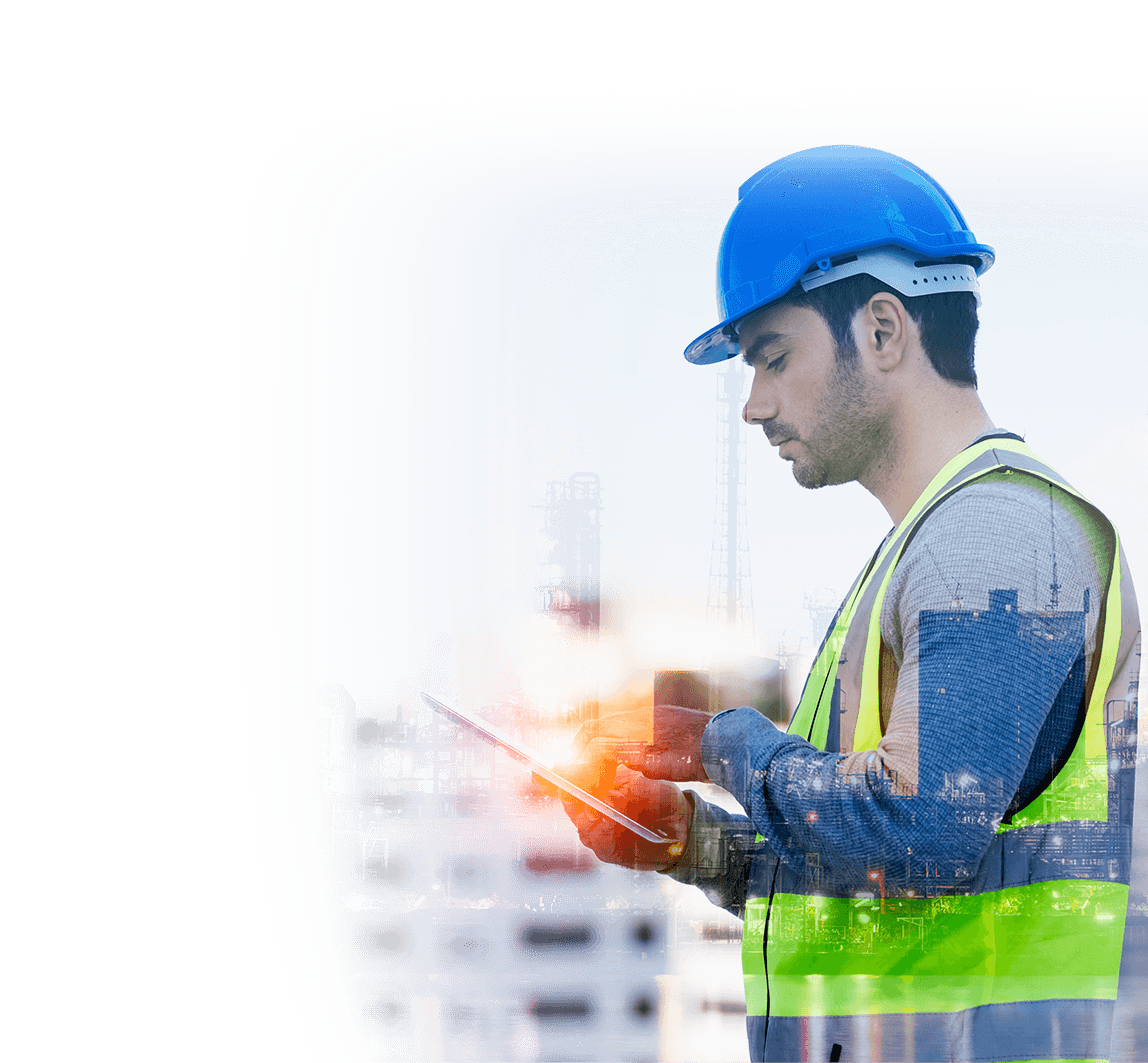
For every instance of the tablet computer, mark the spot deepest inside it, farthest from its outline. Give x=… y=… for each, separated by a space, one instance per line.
x=534 y=761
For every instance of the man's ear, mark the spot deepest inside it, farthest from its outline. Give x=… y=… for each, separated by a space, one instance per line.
x=881 y=330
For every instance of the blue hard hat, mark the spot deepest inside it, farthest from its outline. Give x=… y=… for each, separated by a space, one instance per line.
x=826 y=213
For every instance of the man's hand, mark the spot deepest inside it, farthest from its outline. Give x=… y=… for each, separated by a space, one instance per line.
x=660 y=741
x=654 y=804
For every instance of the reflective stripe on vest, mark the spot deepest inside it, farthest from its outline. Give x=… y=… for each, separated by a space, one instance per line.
x=920 y=962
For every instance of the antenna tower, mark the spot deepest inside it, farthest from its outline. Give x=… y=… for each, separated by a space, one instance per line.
x=729 y=611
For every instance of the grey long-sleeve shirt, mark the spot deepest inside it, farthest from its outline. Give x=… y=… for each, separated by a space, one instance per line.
x=1014 y=694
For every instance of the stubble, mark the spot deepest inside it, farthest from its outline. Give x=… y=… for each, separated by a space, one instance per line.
x=852 y=436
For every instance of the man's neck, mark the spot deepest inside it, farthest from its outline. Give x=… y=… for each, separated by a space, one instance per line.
x=927 y=435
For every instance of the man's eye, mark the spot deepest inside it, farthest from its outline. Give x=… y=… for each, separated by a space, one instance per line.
x=776 y=363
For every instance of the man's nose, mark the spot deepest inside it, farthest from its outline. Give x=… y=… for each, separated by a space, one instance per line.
x=761 y=405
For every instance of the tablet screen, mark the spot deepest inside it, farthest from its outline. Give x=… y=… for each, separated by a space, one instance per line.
x=534 y=761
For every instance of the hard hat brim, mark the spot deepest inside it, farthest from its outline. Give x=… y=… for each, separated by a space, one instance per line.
x=898 y=267
x=713 y=346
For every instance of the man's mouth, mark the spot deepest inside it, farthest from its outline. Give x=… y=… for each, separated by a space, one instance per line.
x=776 y=438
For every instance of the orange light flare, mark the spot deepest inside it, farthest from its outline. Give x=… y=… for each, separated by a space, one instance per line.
x=558 y=748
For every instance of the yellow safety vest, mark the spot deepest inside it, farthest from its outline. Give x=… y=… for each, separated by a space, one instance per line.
x=1025 y=970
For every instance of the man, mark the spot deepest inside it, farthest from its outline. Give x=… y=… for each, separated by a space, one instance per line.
x=934 y=860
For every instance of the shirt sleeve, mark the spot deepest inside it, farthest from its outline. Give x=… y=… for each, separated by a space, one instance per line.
x=718 y=855
x=988 y=621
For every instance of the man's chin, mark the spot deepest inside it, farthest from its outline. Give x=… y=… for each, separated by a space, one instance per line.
x=808 y=477
x=813 y=477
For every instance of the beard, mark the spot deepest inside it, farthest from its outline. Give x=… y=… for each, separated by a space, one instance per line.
x=851 y=435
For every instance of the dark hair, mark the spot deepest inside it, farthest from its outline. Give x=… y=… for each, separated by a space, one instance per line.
x=948 y=321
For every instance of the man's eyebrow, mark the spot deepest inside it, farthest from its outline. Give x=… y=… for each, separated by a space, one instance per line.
x=766 y=339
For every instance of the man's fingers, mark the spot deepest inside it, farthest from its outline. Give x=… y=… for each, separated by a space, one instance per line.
x=596 y=775
x=586 y=821
x=653 y=761
x=634 y=723
x=607 y=750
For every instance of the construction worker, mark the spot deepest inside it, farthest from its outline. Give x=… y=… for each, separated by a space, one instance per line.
x=934 y=859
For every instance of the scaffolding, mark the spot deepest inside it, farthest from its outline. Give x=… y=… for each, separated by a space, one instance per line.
x=573 y=590
x=571 y=522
